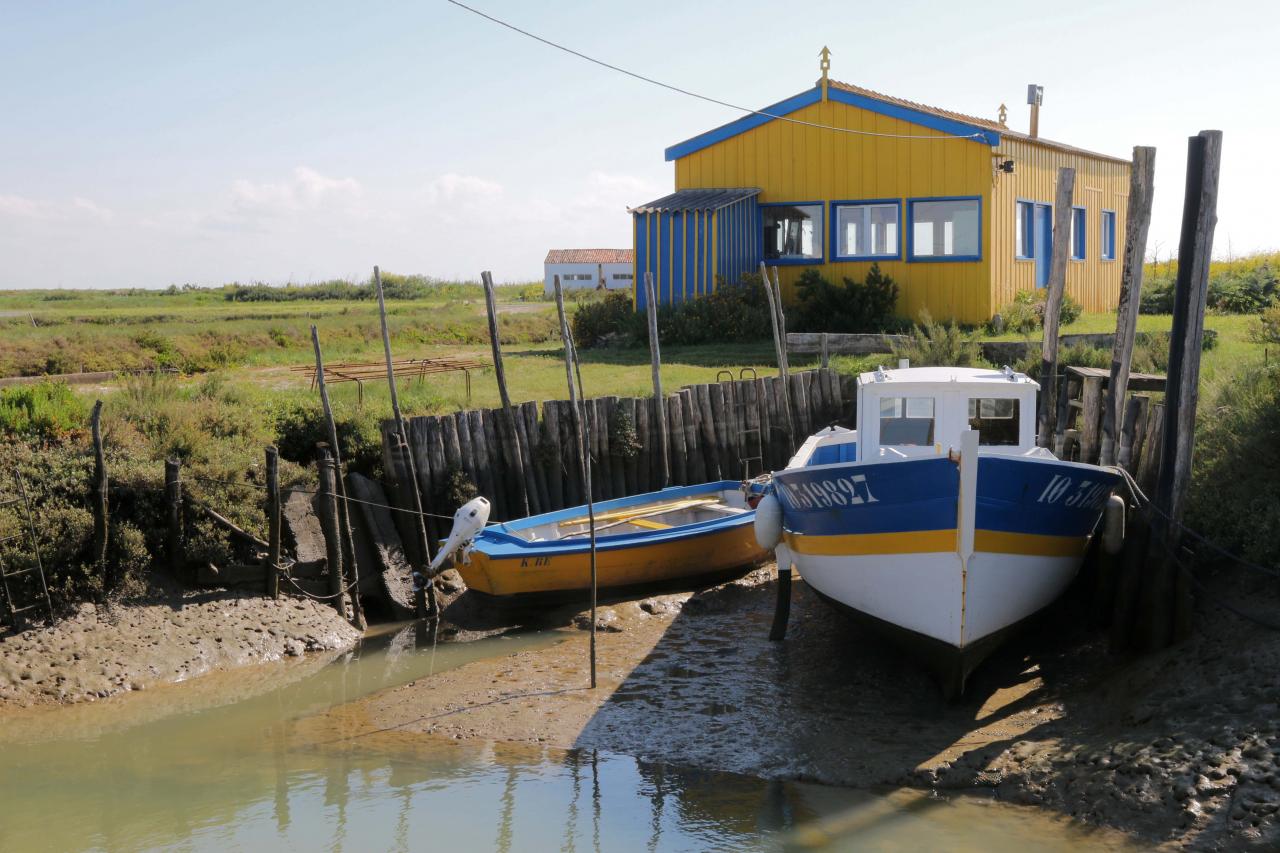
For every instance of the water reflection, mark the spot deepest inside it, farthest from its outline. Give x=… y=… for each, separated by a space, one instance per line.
x=245 y=761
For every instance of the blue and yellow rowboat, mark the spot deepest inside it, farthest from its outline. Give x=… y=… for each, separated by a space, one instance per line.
x=659 y=538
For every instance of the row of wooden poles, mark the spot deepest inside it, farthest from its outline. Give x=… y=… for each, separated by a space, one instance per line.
x=1148 y=601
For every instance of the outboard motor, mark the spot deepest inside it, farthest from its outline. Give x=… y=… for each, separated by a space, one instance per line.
x=468 y=521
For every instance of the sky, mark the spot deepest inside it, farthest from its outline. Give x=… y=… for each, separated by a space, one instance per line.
x=144 y=144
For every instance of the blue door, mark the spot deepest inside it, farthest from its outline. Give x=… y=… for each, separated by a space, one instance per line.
x=1042 y=242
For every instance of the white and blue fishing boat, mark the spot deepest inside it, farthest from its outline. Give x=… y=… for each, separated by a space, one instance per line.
x=938 y=517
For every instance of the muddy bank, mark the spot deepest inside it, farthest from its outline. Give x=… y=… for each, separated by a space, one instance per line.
x=1178 y=748
x=172 y=636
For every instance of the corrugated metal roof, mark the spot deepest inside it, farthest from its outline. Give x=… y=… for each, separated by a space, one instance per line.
x=701 y=199
x=589 y=256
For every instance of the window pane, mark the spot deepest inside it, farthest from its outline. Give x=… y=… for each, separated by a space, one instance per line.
x=996 y=420
x=792 y=231
x=867 y=230
x=1077 y=234
x=906 y=421
x=1109 y=235
x=1025 y=232
x=945 y=228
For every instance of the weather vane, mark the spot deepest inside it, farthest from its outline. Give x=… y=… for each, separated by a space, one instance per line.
x=825 y=66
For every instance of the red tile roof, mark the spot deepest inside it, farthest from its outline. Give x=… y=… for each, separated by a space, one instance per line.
x=589 y=256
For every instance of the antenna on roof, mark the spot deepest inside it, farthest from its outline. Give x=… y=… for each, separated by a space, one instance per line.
x=824 y=66
x=1035 y=97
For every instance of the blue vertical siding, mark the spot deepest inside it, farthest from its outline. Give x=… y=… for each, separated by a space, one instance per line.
x=676 y=247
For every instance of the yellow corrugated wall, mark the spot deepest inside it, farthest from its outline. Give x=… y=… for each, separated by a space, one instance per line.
x=791 y=162
x=1101 y=184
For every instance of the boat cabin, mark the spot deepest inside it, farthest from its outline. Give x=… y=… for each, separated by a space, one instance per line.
x=921 y=411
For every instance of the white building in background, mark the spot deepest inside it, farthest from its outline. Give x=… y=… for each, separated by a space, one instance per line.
x=588 y=268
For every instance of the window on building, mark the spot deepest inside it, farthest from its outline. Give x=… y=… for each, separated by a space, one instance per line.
x=1077 y=233
x=995 y=419
x=906 y=421
x=1108 y=235
x=622 y=276
x=792 y=232
x=867 y=230
x=1024 y=237
x=947 y=229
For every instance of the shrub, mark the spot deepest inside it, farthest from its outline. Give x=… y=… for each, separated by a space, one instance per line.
x=1025 y=314
x=933 y=344
x=1267 y=329
x=46 y=411
x=732 y=313
x=851 y=306
x=611 y=318
x=300 y=425
x=1235 y=493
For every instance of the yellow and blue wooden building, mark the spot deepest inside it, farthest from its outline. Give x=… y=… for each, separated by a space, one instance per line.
x=957 y=209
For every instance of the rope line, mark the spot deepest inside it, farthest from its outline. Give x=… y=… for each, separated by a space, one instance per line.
x=707 y=98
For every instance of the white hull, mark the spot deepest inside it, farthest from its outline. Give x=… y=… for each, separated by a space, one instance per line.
x=931 y=595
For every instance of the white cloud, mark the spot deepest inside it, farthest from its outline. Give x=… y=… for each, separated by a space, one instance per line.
x=93 y=209
x=307 y=190
x=24 y=208
x=452 y=188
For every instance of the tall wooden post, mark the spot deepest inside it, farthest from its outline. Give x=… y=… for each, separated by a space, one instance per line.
x=1053 y=304
x=1137 y=224
x=173 y=504
x=424 y=545
x=509 y=427
x=344 y=510
x=583 y=443
x=272 y=508
x=777 y=325
x=1160 y=605
x=655 y=357
x=99 y=489
x=329 y=523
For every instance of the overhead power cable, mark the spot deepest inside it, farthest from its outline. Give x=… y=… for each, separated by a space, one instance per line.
x=701 y=97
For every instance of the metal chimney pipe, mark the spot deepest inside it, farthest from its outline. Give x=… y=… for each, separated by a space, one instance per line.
x=1035 y=96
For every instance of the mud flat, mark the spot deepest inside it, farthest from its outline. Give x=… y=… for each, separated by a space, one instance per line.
x=171 y=637
x=1179 y=748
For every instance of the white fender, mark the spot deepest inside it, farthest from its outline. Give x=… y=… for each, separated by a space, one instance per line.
x=768 y=522
x=1113 y=525
x=468 y=521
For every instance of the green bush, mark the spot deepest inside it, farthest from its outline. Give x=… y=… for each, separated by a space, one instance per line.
x=612 y=318
x=1234 y=493
x=1267 y=329
x=1244 y=286
x=850 y=306
x=1025 y=314
x=45 y=411
x=300 y=425
x=932 y=344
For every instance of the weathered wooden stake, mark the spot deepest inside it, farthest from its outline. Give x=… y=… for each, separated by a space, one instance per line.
x=1162 y=609
x=1053 y=301
x=491 y=306
x=778 y=323
x=655 y=357
x=173 y=503
x=1137 y=224
x=99 y=490
x=272 y=508
x=344 y=514
x=331 y=526
x=424 y=545
x=583 y=444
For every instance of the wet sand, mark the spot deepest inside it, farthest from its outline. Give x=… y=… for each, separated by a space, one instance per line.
x=174 y=636
x=1179 y=748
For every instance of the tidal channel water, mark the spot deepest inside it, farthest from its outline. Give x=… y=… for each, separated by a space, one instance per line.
x=232 y=761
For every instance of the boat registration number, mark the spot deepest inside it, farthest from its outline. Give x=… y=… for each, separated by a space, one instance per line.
x=823 y=494
x=1084 y=494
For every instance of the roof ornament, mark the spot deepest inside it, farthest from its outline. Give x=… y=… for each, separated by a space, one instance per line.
x=824 y=66
x=1004 y=114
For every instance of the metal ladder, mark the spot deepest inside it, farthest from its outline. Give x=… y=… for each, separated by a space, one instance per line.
x=742 y=416
x=33 y=601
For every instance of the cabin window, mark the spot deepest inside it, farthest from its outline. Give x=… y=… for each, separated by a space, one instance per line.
x=866 y=230
x=792 y=232
x=1077 y=233
x=622 y=276
x=906 y=421
x=945 y=229
x=1024 y=236
x=996 y=420
x=1108 y=235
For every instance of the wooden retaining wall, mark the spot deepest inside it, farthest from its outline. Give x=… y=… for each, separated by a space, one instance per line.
x=713 y=429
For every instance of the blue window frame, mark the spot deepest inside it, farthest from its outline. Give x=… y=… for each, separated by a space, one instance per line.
x=1108 y=235
x=866 y=230
x=793 y=232
x=1078 y=233
x=947 y=228
x=1024 y=238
